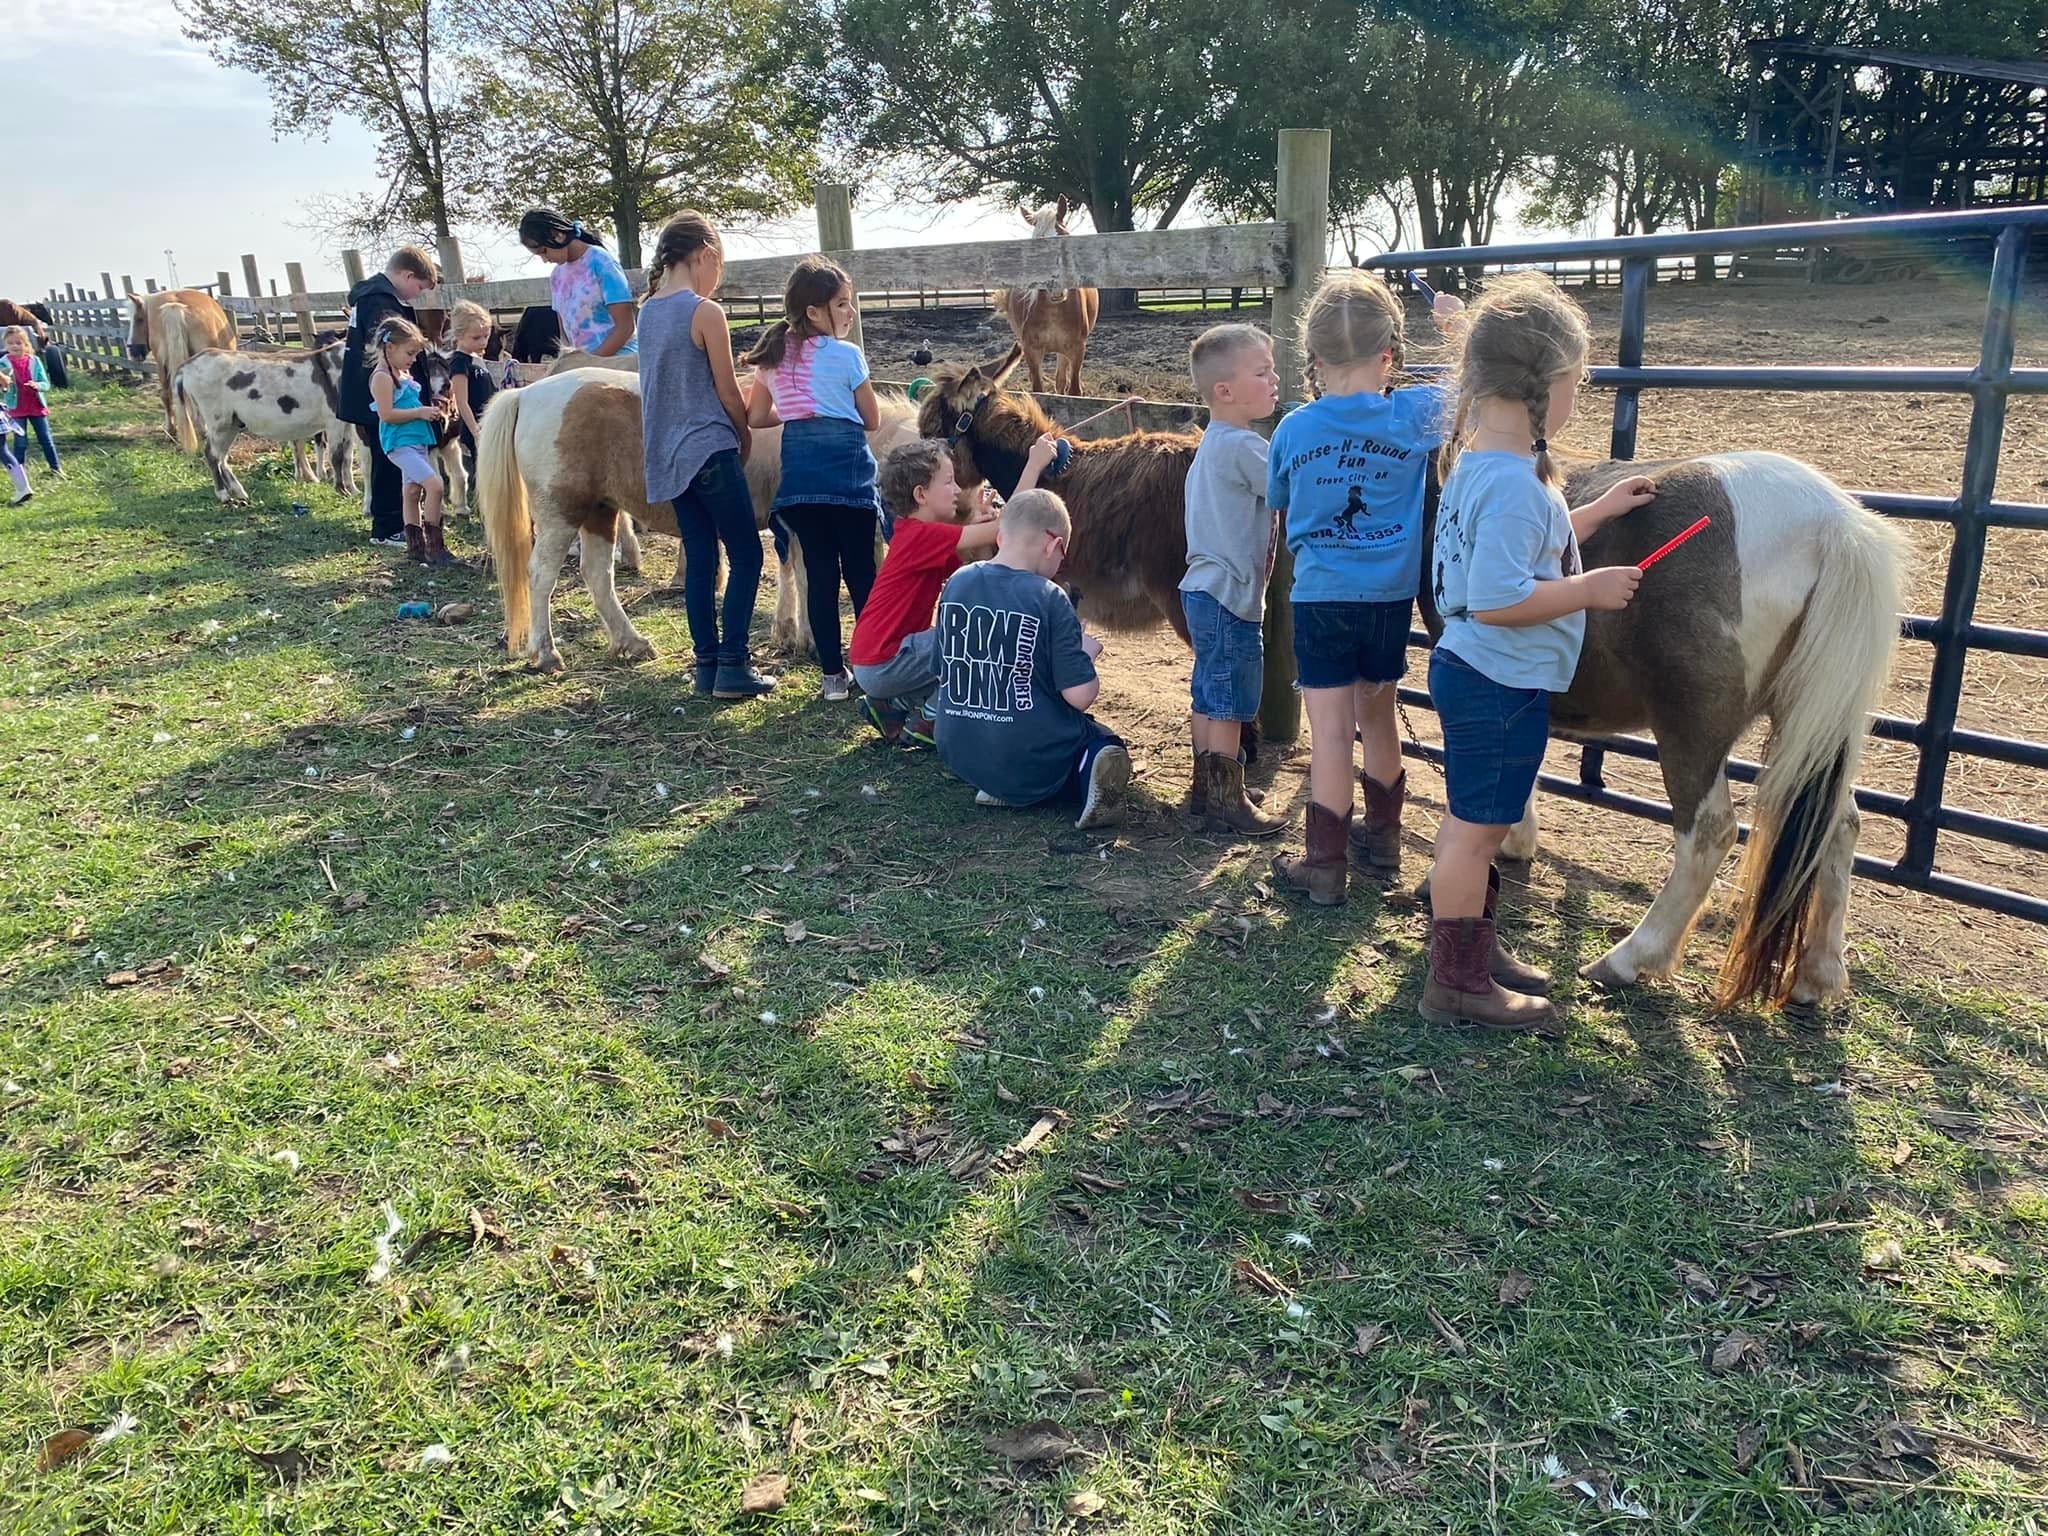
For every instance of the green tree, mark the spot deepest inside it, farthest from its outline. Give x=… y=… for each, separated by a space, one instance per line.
x=639 y=107
x=394 y=65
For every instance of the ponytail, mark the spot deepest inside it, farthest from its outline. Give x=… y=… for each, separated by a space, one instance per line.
x=814 y=284
x=551 y=231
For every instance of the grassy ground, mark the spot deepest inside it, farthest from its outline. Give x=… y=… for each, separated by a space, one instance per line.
x=698 y=1050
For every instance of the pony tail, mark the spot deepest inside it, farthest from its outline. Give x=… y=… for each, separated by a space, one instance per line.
x=768 y=351
x=1539 y=419
x=1454 y=440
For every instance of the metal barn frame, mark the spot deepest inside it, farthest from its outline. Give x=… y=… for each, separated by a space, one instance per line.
x=1972 y=513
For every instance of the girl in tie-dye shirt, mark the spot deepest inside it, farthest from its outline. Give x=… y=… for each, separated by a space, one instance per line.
x=588 y=287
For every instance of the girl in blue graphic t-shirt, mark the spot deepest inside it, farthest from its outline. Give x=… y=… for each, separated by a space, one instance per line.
x=1347 y=470
x=1506 y=576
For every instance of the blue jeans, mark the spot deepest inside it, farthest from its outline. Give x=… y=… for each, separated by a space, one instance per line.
x=1230 y=660
x=40 y=425
x=1494 y=738
x=715 y=510
x=1338 y=644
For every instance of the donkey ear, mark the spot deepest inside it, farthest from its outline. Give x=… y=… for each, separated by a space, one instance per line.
x=1024 y=213
x=1063 y=207
x=1001 y=377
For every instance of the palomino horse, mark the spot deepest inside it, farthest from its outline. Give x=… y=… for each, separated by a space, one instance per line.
x=1784 y=607
x=1055 y=320
x=174 y=327
x=563 y=456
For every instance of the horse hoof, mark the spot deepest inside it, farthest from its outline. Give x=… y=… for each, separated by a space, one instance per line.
x=1605 y=973
x=635 y=651
x=547 y=666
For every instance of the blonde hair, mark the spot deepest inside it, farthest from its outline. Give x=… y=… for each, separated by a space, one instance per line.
x=1036 y=511
x=466 y=317
x=1522 y=335
x=1215 y=353
x=16 y=330
x=1352 y=317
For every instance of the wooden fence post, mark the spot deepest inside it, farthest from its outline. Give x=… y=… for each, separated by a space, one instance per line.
x=70 y=294
x=127 y=284
x=835 y=233
x=223 y=286
x=255 y=286
x=352 y=266
x=107 y=285
x=302 y=307
x=449 y=250
x=149 y=283
x=1302 y=201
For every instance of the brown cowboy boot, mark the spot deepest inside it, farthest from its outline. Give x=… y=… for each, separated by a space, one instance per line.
x=1501 y=964
x=415 y=544
x=1376 y=845
x=1321 y=871
x=1222 y=780
x=1198 y=792
x=437 y=547
x=1461 y=991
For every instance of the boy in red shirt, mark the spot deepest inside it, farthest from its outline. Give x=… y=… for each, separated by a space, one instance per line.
x=894 y=651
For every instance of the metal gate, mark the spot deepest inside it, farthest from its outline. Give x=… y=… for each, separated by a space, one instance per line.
x=1972 y=512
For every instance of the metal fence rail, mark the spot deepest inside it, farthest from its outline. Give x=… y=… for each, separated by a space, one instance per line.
x=1972 y=512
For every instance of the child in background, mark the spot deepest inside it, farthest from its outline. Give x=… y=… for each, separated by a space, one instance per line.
x=1017 y=675
x=894 y=650
x=1347 y=472
x=405 y=432
x=388 y=295
x=17 y=472
x=1230 y=556
x=1507 y=581
x=470 y=384
x=814 y=382
x=589 y=289
x=21 y=396
x=694 y=436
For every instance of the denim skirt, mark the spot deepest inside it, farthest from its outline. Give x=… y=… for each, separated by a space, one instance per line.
x=826 y=462
x=1494 y=739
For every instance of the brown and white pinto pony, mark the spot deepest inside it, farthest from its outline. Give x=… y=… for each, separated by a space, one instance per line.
x=1785 y=607
x=562 y=457
x=174 y=327
x=1055 y=320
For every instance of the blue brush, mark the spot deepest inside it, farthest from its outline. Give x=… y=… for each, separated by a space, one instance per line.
x=1428 y=293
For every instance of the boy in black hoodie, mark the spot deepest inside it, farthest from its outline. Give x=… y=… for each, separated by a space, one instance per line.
x=408 y=274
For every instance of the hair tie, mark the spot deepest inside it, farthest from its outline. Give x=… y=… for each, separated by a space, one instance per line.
x=1543 y=445
x=576 y=228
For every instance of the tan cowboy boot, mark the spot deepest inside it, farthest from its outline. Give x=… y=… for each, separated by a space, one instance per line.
x=1461 y=991
x=1376 y=842
x=1321 y=870
x=1501 y=964
x=1222 y=779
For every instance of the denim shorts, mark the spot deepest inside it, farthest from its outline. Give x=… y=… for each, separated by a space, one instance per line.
x=1338 y=644
x=1493 y=740
x=1230 y=659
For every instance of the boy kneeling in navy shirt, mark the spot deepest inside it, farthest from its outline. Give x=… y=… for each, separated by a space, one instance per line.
x=1016 y=675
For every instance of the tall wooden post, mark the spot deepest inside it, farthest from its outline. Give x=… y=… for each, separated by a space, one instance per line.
x=150 y=284
x=127 y=283
x=70 y=293
x=835 y=233
x=302 y=307
x=352 y=267
x=254 y=285
x=107 y=284
x=223 y=288
x=450 y=252
x=1302 y=202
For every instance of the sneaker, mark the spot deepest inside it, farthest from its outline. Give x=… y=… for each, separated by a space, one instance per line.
x=1107 y=776
x=838 y=688
x=989 y=802
x=917 y=733
x=390 y=541
x=888 y=723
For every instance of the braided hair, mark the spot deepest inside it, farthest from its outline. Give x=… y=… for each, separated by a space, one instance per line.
x=1352 y=317
x=1523 y=335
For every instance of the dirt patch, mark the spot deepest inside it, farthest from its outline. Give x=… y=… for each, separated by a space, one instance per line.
x=1904 y=443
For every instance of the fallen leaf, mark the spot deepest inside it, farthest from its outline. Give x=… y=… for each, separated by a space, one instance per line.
x=61 y=1447
x=1515 y=1288
x=1739 y=1350
x=1039 y=1441
x=1263 y=1205
x=1365 y=1337
x=1414 y=1419
x=1396 y=1169
x=1983 y=1263
x=795 y=933
x=477 y=959
x=714 y=1126
x=289 y=1465
x=1084 y=1505
x=484 y=1228
x=1698 y=1284
x=355 y=901
x=1748 y=1441
x=1004 y=1096
x=1259 y=1278
x=1043 y=1127
x=1805 y=1333
x=1887 y=1258
x=1902 y=1151
x=1899 y=1438
x=1758 y=1291
x=876 y=1368
x=122 y=978
x=765 y=1494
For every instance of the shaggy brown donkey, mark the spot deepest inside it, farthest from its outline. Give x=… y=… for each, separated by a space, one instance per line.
x=1127 y=495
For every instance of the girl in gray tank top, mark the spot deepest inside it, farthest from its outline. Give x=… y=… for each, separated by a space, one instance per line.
x=694 y=436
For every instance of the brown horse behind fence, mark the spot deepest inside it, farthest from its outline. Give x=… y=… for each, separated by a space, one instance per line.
x=1055 y=320
x=174 y=327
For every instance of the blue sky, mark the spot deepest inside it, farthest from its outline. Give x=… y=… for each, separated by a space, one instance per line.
x=129 y=141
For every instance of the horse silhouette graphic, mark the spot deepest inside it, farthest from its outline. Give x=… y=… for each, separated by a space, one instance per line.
x=1354 y=509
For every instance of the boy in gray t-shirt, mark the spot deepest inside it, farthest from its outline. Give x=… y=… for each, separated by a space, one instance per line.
x=1231 y=539
x=1016 y=675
